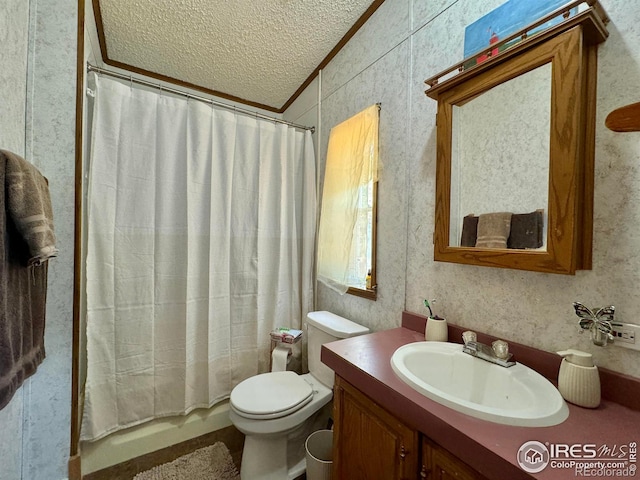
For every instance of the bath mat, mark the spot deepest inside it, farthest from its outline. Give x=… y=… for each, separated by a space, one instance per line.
x=208 y=463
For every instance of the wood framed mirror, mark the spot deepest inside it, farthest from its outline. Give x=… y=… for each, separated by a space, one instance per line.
x=515 y=139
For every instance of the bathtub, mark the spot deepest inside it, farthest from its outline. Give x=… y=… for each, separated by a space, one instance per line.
x=151 y=436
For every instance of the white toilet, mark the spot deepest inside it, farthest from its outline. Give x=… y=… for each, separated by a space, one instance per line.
x=277 y=411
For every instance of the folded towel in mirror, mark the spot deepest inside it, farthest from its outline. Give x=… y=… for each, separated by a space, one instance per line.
x=526 y=230
x=493 y=230
x=469 y=231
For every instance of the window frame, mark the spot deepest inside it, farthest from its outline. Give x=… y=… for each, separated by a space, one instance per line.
x=371 y=293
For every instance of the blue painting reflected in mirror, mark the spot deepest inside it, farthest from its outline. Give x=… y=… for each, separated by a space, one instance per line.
x=507 y=19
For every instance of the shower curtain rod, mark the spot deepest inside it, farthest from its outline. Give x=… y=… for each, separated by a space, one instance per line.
x=130 y=78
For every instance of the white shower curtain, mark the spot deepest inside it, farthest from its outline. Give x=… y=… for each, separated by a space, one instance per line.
x=201 y=226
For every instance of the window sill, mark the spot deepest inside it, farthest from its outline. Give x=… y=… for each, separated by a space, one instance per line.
x=364 y=293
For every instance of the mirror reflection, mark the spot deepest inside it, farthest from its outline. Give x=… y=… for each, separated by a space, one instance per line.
x=500 y=165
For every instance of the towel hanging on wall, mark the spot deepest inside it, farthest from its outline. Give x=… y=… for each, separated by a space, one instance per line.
x=29 y=205
x=27 y=241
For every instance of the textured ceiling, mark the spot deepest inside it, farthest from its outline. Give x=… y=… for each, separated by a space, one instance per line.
x=259 y=51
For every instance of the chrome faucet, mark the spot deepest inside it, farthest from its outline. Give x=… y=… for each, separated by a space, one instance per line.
x=497 y=353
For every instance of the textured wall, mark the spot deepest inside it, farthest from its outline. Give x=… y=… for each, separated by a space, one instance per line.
x=14 y=30
x=345 y=93
x=14 y=34
x=37 y=94
x=51 y=147
x=406 y=42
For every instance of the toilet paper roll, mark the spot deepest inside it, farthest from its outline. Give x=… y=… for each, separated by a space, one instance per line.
x=279 y=357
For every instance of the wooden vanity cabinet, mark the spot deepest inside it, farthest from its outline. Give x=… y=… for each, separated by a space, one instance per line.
x=438 y=464
x=372 y=444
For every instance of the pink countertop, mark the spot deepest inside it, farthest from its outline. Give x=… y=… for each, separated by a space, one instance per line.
x=490 y=448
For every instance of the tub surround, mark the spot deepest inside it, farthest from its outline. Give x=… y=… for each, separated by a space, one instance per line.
x=153 y=436
x=489 y=448
x=230 y=436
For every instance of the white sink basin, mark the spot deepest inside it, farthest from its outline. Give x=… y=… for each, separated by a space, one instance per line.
x=516 y=395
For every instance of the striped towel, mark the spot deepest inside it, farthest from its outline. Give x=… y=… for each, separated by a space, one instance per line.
x=29 y=205
x=23 y=300
x=493 y=230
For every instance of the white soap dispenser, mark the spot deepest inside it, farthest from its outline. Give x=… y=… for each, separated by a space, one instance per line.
x=578 y=379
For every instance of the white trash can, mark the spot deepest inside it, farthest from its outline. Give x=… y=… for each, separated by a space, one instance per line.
x=319 y=446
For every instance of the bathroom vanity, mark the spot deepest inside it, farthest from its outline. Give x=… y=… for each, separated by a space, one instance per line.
x=367 y=435
x=385 y=429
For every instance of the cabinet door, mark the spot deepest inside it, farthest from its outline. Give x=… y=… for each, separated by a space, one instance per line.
x=370 y=443
x=438 y=464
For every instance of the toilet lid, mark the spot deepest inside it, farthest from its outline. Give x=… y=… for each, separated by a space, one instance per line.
x=270 y=395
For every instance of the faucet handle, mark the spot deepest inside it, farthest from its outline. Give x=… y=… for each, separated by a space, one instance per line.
x=469 y=336
x=501 y=349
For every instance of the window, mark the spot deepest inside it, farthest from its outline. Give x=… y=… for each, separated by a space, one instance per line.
x=346 y=239
x=361 y=272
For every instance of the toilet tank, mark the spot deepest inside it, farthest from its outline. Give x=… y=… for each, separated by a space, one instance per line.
x=324 y=327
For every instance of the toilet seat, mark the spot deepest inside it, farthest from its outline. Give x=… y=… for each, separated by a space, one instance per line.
x=270 y=395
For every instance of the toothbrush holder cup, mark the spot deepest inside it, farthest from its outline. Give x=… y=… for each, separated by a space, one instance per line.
x=436 y=329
